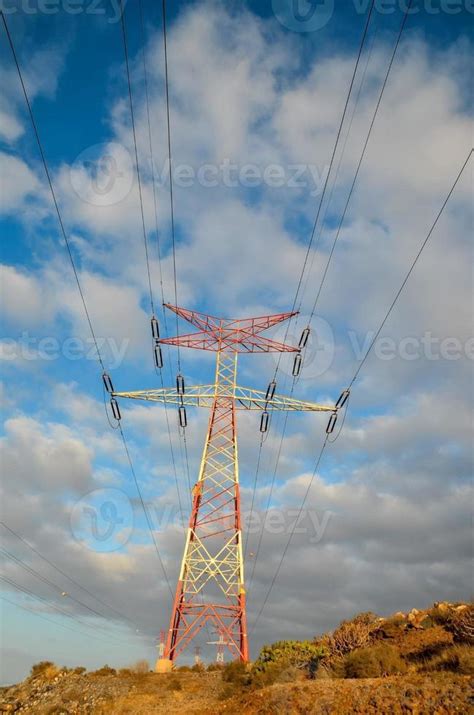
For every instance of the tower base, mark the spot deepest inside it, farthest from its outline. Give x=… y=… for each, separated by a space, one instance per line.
x=163 y=665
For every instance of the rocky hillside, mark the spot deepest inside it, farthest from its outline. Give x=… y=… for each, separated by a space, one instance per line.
x=421 y=662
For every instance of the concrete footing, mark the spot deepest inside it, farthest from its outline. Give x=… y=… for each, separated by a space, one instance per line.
x=163 y=665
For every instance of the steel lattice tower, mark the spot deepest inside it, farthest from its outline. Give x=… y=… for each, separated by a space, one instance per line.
x=211 y=580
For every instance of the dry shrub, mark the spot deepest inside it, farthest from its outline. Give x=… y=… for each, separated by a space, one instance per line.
x=45 y=668
x=350 y=635
x=80 y=670
x=383 y=659
x=140 y=667
x=214 y=666
x=456 y=659
x=235 y=672
x=418 y=646
x=105 y=670
x=279 y=672
x=391 y=628
x=461 y=625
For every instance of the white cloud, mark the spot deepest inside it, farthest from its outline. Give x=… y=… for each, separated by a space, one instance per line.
x=18 y=183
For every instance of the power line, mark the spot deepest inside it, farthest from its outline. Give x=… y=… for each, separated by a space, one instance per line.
x=336 y=144
x=170 y=171
x=51 y=187
x=155 y=205
x=341 y=155
x=347 y=203
x=354 y=181
x=150 y=526
x=414 y=262
x=63 y=573
x=172 y=217
x=69 y=251
x=132 y=117
x=150 y=143
x=41 y=615
x=53 y=585
x=284 y=552
x=310 y=244
x=54 y=606
x=357 y=372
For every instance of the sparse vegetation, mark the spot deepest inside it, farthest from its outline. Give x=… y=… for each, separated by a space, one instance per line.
x=456 y=659
x=304 y=655
x=140 y=667
x=105 y=670
x=44 y=667
x=461 y=624
x=380 y=660
x=351 y=634
x=416 y=662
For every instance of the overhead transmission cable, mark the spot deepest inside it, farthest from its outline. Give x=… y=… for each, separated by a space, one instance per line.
x=63 y=231
x=361 y=159
x=41 y=615
x=400 y=32
x=155 y=206
x=331 y=162
x=54 y=586
x=172 y=221
x=170 y=169
x=397 y=295
x=55 y=607
x=135 y=146
x=63 y=573
x=405 y=280
x=53 y=193
x=310 y=244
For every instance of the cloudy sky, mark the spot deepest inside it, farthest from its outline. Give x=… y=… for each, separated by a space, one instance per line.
x=256 y=96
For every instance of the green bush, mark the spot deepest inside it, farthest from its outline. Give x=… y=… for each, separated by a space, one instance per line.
x=304 y=655
x=383 y=659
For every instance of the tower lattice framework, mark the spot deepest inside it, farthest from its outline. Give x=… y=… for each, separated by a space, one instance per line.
x=210 y=588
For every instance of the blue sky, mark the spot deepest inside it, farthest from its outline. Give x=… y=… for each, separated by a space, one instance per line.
x=245 y=90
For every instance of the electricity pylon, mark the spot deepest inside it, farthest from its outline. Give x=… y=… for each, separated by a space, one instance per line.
x=220 y=645
x=211 y=580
